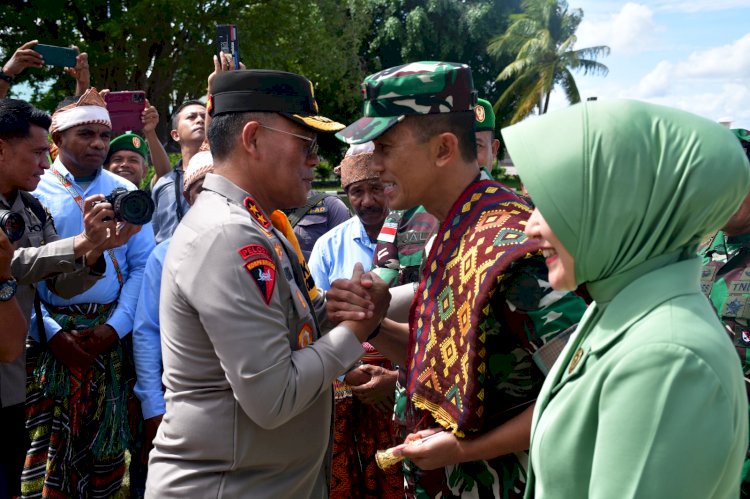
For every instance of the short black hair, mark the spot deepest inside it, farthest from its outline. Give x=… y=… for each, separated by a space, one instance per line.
x=70 y=99
x=226 y=127
x=17 y=116
x=176 y=113
x=461 y=124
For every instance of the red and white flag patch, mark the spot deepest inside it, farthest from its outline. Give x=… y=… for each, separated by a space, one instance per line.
x=388 y=233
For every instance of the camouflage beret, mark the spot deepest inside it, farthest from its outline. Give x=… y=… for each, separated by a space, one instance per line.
x=484 y=116
x=416 y=88
x=128 y=142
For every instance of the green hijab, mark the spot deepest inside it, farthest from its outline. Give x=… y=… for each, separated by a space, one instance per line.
x=628 y=186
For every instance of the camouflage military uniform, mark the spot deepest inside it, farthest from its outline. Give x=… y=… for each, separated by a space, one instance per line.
x=504 y=315
x=726 y=281
x=525 y=314
x=401 y=245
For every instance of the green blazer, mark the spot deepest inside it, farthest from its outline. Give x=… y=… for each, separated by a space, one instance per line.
x=647 y=400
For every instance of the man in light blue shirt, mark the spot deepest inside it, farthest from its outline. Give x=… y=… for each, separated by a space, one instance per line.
x=77 y=400
x=336 y=251
x=146 y=333
x=362 y=422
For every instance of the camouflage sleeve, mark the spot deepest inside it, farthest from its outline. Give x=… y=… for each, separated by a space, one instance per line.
x=533 y=311
x=385 y=261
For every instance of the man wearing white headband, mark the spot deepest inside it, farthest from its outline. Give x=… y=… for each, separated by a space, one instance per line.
x=77 y=410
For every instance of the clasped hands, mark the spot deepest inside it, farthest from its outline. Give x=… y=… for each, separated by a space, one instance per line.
x=77 y=349
x=363 y=301
x=360 y=303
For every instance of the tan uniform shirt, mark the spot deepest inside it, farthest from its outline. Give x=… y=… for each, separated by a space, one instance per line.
x=40 y=255
x=248 y=379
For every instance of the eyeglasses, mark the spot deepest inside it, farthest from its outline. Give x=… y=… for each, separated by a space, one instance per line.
x=312 y=149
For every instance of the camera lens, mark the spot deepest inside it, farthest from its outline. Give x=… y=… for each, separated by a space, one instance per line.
x=12 y=224
x=135 y=207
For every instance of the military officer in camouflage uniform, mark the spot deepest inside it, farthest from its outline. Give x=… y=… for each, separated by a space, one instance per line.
x=726 y=281
x=248 y=371
x=403 y=239
x=483 y=307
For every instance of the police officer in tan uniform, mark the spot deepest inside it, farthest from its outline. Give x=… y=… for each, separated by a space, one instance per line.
x=248 y=369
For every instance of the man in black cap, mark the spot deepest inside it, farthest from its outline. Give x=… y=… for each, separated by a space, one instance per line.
x=248 y=375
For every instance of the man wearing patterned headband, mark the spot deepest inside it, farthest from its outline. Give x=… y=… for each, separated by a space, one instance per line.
x=483 y=306
x=82 y=365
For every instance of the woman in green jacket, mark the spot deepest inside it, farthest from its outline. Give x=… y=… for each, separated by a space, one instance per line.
x=647 y=400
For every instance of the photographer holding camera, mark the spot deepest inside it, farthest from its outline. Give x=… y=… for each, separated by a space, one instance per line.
x=69 y=266
x=78 y=394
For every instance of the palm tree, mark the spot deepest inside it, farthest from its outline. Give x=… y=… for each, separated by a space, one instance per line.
x=542 y=38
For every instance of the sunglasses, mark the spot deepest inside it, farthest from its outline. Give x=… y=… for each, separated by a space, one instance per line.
x=312 y=148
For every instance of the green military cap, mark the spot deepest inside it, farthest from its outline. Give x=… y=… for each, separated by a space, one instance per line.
x=484 y=116
x=265 y=90
x=744 y=136
x=426 y=87
x=128 y=142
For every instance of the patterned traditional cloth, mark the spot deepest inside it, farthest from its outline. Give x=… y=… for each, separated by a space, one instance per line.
x=359 y=431
x=725 y=280
x=474 y=248
x=360 y=428
x=80 y=421
x=401 y=245
x=481 y=258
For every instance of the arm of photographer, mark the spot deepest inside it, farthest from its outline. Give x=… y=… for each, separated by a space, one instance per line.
x=14 y=328
x=70 y=266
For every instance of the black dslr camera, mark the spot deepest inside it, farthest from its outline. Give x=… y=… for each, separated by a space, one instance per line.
x=12 y=224
x=135 y=207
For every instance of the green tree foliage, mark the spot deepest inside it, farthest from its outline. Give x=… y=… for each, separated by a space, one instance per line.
x=165 y=46
x=542 y=40
x=458 y=31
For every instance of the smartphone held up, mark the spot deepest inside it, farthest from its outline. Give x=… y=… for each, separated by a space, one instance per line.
x=227 y=42
x=125 y=109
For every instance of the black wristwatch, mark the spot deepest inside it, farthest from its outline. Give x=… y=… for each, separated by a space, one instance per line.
x=375 y=332
x=6 y=77
x=8 y=289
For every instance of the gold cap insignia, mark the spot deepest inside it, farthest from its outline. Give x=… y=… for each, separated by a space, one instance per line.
x=479 y=113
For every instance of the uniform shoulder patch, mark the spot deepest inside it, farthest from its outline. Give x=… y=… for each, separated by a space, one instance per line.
x=253 y=251
x=257 y=213
x=263 y=272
